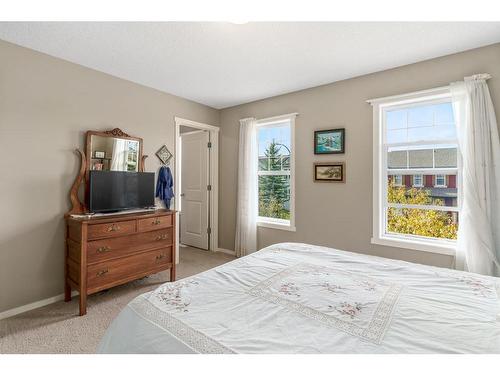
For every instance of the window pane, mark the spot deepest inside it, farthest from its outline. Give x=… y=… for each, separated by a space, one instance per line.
x=427 y=223
x=396 y=119
x=417 y=173
x=274 y=156
x=443 y=114
x=421 y=123
x=397 y=136
x=428 y=194
x=397 y=159
x=445 y=131
x=445 y=157
x=421 y=116
x=420 y=134
x=430 y=156
x=418 y=180
x=440 y=180
x=420 y=158
x=274 y=197
x=274 y=147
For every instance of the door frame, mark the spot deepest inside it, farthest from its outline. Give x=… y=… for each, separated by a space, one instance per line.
x=213 y=178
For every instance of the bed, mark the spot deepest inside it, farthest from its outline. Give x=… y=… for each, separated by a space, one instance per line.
x=300 y=298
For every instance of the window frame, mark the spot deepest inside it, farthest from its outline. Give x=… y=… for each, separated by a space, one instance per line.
x=401 y=183
x=268 y=222
x=421 y=184
x=380 y=171
x=444 y=184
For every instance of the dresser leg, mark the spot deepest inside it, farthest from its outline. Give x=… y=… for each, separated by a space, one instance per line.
x=172 y=273
x=83 y=304
x=67 y=292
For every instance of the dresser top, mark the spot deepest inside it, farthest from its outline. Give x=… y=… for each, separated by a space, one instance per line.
x=103 y=218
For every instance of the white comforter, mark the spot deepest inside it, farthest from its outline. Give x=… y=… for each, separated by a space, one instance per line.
x=298 y=298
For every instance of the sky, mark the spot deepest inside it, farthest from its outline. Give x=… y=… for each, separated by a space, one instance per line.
x=423 y=123
x=281 y=134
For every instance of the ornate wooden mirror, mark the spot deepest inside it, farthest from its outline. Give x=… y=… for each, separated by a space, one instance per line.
x=112 y=150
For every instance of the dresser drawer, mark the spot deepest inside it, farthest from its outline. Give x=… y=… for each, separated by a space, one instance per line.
x=113 y=272
x=154 y=223
x=111 y=229
x=109 y=248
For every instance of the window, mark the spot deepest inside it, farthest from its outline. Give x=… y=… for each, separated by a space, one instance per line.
x=415 y=138
x=398 y=180
x=440 y=180
x=275 y=138
x=418 y=180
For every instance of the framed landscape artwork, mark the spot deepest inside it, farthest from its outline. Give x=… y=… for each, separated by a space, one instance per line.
x=330 y=141
x=329 y=172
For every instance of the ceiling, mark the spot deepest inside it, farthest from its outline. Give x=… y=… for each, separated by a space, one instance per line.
x=225 y=64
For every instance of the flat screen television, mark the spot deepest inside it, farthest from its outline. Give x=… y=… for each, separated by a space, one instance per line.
x=112 y=191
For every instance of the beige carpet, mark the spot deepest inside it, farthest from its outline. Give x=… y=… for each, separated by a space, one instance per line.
x=57 y=328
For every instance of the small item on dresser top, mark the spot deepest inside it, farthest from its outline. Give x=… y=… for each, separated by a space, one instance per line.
x=164 y=185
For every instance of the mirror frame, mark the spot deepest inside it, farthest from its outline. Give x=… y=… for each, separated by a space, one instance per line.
x=115 y=133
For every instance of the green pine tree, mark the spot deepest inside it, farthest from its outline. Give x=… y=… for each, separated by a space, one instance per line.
x=273 y=190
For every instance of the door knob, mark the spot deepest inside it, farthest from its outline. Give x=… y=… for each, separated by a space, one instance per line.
x=182 y=194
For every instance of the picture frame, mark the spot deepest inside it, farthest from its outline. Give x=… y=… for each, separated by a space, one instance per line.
x=164 y=155
x=100 y=154
x=329 y=141
x=329 y=172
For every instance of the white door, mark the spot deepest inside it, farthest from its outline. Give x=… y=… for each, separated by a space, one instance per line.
x=194 y=189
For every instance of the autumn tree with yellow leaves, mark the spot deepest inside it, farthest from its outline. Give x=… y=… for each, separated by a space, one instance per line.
x=428 y=223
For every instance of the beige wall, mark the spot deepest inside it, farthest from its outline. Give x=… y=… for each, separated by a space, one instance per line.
x=340 y=215
x=46 y=105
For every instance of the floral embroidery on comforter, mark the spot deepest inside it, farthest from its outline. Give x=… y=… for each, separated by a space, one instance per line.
x=359 y=305
x=171 y=295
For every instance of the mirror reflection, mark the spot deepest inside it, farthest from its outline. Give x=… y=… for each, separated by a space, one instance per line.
x=114 y=154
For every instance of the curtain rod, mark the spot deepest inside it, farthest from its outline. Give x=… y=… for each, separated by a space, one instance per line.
x=474 y=77
x=274 y=118
x=478 y=77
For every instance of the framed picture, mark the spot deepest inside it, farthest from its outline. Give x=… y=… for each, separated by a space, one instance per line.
x=164 y=155
x=330 y=141
x=100 y=154
x=329 y=172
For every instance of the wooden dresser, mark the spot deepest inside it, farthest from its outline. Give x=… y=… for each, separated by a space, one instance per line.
x=106 y=251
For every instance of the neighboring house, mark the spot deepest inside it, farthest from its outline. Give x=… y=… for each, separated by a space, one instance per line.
x=426 y=169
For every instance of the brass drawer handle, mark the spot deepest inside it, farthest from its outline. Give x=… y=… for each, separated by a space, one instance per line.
x=102 y=272
x=161 y=237
x=113 y=228
x=103 y=249
x=160 y=257
x=156 y=222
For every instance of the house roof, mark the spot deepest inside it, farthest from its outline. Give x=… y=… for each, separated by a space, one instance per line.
x=423 y=158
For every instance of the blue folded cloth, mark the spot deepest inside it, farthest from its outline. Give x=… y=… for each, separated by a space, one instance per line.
x=164 y=184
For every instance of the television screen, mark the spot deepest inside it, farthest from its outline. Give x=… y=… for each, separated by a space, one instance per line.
x=115 y=191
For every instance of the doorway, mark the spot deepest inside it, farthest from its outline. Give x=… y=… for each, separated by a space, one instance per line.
x=196 y=184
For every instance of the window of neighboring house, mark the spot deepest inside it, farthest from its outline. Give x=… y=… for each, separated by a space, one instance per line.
x=418 y=180
x=276 y=172
x=416 y=137
x=398 y=179
x=440 y=180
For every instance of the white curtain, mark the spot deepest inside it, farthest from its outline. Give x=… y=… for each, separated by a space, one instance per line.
x=246 y=215
x=120 y=155
x=478 y=247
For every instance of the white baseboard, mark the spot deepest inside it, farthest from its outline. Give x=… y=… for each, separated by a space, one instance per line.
x=34 y=305
x=225 y=251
